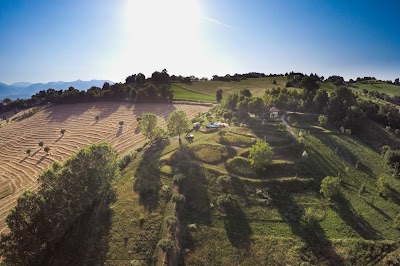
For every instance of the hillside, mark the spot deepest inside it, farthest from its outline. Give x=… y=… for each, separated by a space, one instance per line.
x=18 y=171
x=232 y=215
x=381 y=87
x=256 y=85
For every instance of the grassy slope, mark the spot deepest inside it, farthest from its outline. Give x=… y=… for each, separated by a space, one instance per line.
x=183 y=94
x=392 y=90
x=345 y=226
x=257 y=86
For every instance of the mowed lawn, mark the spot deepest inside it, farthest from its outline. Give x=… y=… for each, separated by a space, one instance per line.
x=257 y=86
x=184 y=94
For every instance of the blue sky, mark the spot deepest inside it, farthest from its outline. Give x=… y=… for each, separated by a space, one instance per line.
x=42 y=41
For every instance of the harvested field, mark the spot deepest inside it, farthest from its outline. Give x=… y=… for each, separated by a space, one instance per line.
x=19 y=171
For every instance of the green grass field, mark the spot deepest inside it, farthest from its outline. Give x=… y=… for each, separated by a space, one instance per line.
x=390 y=89
x=257 y=86
x=183 y=94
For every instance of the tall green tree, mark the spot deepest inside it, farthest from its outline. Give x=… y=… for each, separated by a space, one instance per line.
x=178 y=123
x=261 y=155
x=148 y=126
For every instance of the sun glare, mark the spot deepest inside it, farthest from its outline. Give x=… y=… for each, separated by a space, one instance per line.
x=161 y=30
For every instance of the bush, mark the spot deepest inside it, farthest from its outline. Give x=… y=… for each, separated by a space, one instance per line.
x=41 y=143
x=225 y=201
x=178 y=179
x=62 y=131
x=28 y=151
x=384 y=149
x=97 y=118
x=192 y=227
x=178 y=198
x=121 y=123
x=392 y=160
x=47 y=149
x=330 y=186
x=165 y=244
x=171 y=221
x=127 y=159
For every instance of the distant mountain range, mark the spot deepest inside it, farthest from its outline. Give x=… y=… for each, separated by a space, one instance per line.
x=24 y=90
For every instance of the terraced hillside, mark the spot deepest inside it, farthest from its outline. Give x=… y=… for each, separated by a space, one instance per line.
x=19 y=171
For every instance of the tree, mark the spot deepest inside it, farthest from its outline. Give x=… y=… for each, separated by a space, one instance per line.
x=28 y=151
x=62 y=131
x=47 y=149
x=178 y=123
x=245 y=92
x=330 y=186
x=148 y=126
x=261 y=155
x=41 y=143
x=219 y=95
x=121 y=123
x=382 y=185
x=321 y=100
x=309 y=84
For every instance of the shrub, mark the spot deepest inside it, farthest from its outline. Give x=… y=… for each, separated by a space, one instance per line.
x=192 y=227
x=139 y=118
x=165 y=244
x=62 y=131
x=47 y=149
x=392 y=160
x=97 y=118
x=127 y=159
x=178 y=198
x=322 y=120
x=178 y=179
x=384 y=149
x=121 y=123
x=28 y=151
x=330 y=186
x=41 y=143
x=225 y=201
x=171 y=221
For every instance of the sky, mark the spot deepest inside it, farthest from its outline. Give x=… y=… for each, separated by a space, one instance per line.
x=53 y=40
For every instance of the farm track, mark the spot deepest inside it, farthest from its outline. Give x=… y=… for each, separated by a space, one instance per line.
x=21 y=171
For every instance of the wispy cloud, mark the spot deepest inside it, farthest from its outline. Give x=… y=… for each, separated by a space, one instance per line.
x=217 y=22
